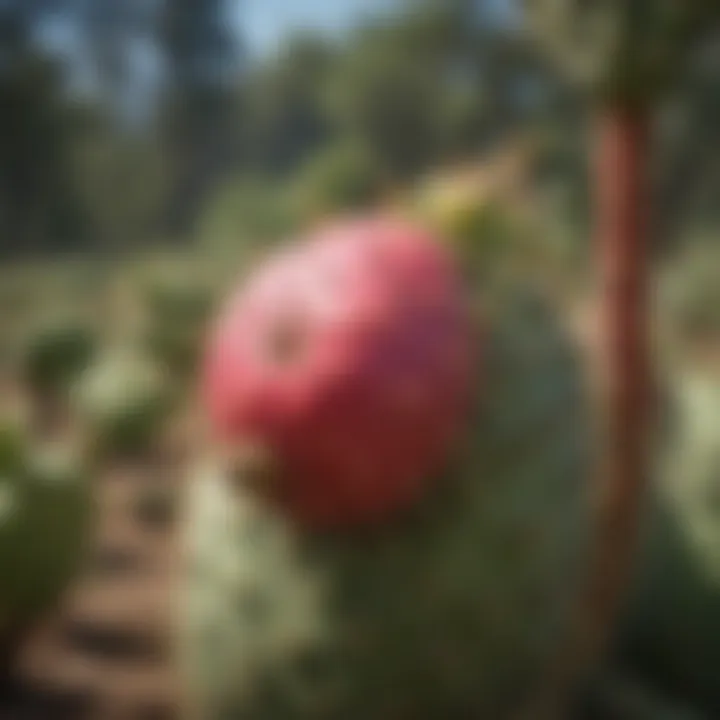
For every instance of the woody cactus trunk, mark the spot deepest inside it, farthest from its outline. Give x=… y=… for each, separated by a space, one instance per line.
x=625 y=54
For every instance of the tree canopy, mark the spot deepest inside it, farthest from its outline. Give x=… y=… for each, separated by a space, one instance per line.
x=150 y=109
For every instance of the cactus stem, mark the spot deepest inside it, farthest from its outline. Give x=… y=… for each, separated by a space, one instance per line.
x=623 y=223
x=622 y=229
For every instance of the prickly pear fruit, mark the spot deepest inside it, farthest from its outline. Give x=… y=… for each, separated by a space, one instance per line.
x=349 y=355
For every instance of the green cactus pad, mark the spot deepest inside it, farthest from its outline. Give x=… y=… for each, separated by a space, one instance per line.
x=45 y=521
x=690 y=294
x=617 y=697
x=176 y=310
x=449 y=611
x=673 y=624
x=123 y=401
x=55 y=353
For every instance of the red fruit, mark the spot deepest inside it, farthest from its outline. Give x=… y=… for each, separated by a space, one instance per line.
x=350 y=355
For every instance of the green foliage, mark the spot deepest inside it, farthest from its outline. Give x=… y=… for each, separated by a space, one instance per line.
x=247 y=212
x=121 y=182
x=499 y=222
x=449 y=611
x=343 y=177
x=284 y=117
x=56 y=353
x=45 y=522
x=471 y=219
x=198 y=113
x=382 y=95
x=623 y=698
x=40 y=207
x=123 y=401
x=176 y=308
x=692 y=293
x=626 y=49
x=434 y=82
x=672 y=627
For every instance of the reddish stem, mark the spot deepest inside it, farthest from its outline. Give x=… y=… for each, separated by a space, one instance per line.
x=622 y=227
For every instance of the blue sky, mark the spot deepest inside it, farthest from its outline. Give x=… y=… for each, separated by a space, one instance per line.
x=262 y=24
x=266 y=22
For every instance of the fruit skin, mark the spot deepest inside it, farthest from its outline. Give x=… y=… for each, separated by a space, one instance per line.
x=451 y=610
x=45 y=522
x=350 y=356
x=672 y=624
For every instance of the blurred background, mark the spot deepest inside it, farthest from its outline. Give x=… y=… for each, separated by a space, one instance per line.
x=149 y=150
x=130 y=126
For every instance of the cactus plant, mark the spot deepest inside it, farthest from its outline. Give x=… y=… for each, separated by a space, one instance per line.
x=45 y=522
x=673 y=622
x=122 y=400
x=55 y=353
x=692 y=294
x=623 y=697
x=176 y=307
x=448 y=607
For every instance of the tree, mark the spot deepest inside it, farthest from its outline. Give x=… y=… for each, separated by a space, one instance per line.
x=688 y=162
x=439 y=79
x=283 y=117
x=121 y=182
x=111 y=31
x=38 y=208
x=388 y=98
x=201 y=63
